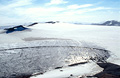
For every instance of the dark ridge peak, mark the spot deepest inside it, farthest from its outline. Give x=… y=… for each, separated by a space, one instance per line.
x=112 y=23
x=109 y=23
x=33 y=24
x=52 y=22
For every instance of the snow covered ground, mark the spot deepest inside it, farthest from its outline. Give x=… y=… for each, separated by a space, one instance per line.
x=43 y=47
x=72 y=72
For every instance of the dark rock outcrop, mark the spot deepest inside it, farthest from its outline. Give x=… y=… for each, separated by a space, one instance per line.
x=51 y=22
x=33 y=24
x=16 y=28
x=110 y=70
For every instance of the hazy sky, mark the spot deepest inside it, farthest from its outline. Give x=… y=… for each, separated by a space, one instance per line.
x=59 y=10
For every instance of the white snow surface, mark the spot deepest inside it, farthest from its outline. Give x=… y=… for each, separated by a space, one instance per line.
x=72 y=72
x=107 y=37
x=104 y=36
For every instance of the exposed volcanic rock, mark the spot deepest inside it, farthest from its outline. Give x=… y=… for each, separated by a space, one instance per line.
x=110 y=71
x=52 y=22
x=16 y=28
x=33 y=24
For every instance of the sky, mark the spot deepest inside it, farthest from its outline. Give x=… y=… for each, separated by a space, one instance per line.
x=83 y=11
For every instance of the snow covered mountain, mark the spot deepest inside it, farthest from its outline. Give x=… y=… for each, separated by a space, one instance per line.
x=110 y=23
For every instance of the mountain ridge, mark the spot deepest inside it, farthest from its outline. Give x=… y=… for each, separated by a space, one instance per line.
x=109 y=23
